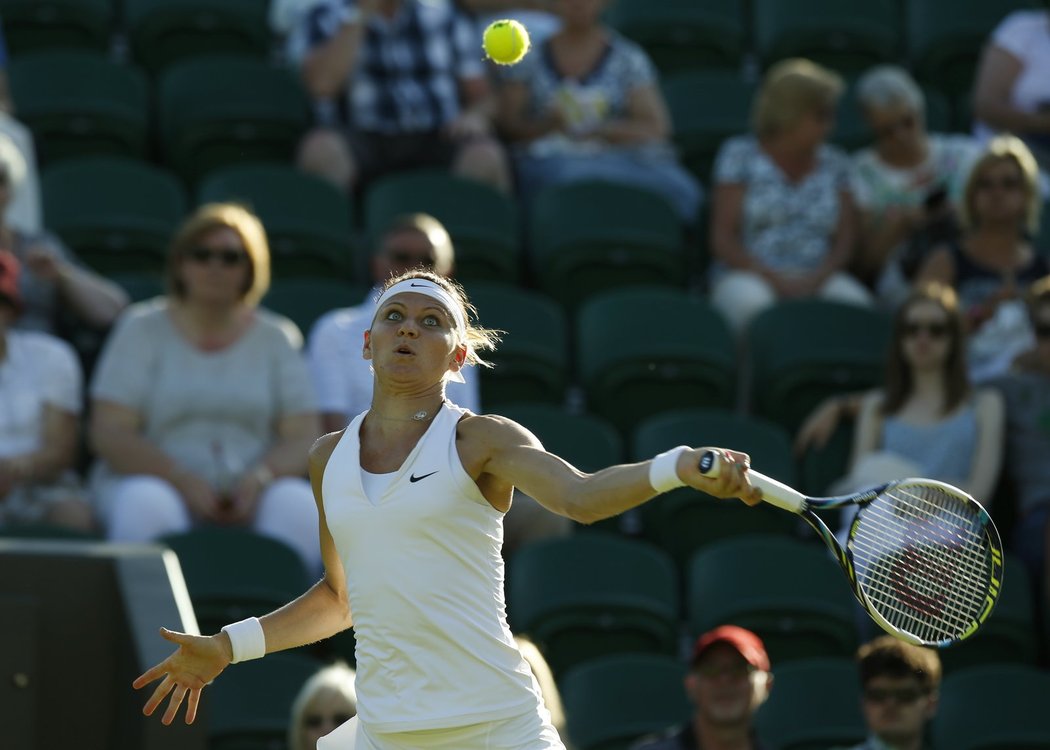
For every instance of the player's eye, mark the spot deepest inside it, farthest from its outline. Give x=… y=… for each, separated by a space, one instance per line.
x=393 y=315
x=432 y=320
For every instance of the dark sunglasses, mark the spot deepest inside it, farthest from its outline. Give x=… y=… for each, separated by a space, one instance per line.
x=900 y=696
x=227 y=257
x=933 y=330
x=316 y=722
x=906 y=122
x=1005 y=183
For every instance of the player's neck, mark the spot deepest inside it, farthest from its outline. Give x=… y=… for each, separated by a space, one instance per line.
x=391 y=409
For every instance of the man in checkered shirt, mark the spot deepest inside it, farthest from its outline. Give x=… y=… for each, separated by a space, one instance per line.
x=415 y=88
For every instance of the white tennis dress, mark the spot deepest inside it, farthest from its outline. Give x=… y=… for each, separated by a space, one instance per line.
x=437 y=666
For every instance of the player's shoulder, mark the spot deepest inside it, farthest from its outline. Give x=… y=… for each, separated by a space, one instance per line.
x=323 y=448
x=493 y=430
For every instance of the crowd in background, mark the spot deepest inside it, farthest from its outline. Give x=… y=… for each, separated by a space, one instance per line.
x=202 y=403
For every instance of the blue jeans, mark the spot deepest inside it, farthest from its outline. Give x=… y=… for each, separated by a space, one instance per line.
x=658 y=172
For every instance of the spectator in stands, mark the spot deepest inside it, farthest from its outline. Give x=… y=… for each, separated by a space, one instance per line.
x=415 y=85
x=1012 y=90
x=927 y=420
x=899 y=684
x=905 y=184
x=53 y=282
x=41 y=397
x=586 y=104
x=202 y=408
x=326 y=700
x=994 y=262
x=728 y=679
x=1026 y=390
x=342 y=377
x=540 y=17
x=783 y=223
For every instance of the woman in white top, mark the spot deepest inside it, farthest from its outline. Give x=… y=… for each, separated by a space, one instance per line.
x=1012 y=90
x=411 y=498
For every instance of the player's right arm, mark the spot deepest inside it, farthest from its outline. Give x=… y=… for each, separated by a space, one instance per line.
x=321 y=612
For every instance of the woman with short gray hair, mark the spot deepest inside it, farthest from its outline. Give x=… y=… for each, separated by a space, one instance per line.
x=905 y=184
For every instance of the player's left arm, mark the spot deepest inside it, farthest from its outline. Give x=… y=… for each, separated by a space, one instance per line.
x=502 y=450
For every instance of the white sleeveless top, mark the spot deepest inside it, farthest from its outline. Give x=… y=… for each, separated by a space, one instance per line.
x=425 y=575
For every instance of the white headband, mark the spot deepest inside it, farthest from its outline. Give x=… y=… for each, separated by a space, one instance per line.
x=432 y=290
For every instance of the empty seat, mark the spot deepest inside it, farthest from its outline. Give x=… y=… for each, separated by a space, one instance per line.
x=993 y=707
x=31 y=25
x=588 y=595
x=79 y=103
x=305 y=299
x=644 y=350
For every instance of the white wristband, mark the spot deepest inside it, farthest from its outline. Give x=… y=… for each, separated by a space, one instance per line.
x=247 y=639
x=663 y=472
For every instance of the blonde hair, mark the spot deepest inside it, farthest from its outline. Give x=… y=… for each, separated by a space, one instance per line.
x=337 y=678
x=433 y=230
x=12 y=162
x=545 y=679
x=213 y=216
x=476 y=338
x=790 y=90
x=1004 y=148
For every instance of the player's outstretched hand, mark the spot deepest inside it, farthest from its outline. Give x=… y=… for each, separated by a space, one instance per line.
x=732 y=480
x=197 y=661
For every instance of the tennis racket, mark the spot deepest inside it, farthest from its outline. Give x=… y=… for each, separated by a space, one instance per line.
x=923 y=558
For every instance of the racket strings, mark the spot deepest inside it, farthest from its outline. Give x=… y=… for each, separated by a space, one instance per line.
x=921 y=558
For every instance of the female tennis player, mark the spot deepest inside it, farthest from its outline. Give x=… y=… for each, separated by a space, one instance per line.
x=411 y=497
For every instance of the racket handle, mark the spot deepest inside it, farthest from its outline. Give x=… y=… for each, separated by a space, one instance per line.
x=773 y=492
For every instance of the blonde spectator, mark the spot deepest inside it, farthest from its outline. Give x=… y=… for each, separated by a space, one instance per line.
x=203 y=411
x=325 y=701
x=783 y=222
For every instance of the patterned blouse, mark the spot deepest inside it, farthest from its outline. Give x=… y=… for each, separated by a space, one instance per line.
x=788 y=226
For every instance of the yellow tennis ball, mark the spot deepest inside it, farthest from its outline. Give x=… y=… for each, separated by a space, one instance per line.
x=506 y=41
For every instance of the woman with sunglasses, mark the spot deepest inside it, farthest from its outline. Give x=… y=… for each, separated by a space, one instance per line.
x=992 y=265
x=927 y=420
x=905 y=184
x=325 y=701
x=202 y=408
x=411 y=497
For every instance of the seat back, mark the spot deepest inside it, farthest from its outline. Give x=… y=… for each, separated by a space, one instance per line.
x=993 y=707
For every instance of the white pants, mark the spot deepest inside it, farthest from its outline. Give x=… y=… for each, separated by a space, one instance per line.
x=741 y=295
x=528 y=731
x=141 y=508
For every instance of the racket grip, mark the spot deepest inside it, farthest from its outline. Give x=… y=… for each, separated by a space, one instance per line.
x=773 y=492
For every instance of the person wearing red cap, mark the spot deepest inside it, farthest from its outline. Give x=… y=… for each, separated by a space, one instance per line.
x=40 y=403
x=729 y=678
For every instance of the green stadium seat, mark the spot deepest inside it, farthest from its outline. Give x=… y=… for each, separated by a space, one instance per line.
x=641 y=350
x=78 y=103
x=814 y=705
x=162 y=32
x=994 y=707
x=699 y=127
x=305 y=299
x=531 y=359
x=117 y=214
x=307 y=219
x=802 y=351
x=945 y=38
x=1009 y=635
x=683 y=521
x=819 y=467
x=587 y=442
x=215 y=111
x=233 y=573
x=588 y=595
x=482 y=222
x=613 y=701
x=791 y=593
x=589 y=236
x=844 y=36
x=46 y=531
x=31 y=25
x=683 y=34
x=250 y=707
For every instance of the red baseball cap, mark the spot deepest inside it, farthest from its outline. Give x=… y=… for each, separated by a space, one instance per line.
x=746 y=643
